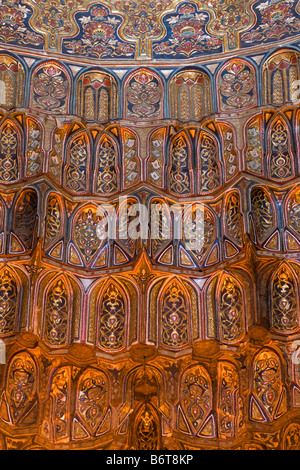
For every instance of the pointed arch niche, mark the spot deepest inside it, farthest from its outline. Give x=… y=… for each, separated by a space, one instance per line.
x=284 y=300
x=190 y=95
x=279 y=73
x=58 y=310
x=174 y=316
x=97 y=96
x=113 y=317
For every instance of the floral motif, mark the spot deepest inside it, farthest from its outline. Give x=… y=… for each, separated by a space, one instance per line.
x=21 y=387
x=92 y=398
x=291 y=439
x=144 y=96
x=231 y=311
x=112 y=319
x=277 y=19
x=147 y=431
x=230 y=18
x=142 y=21
x=174 y=317
x=55 y=19
x=50 y=89
x=267 y=386
x=85 y=234
x=14 y=25
x=284 y=303
x=237 y=86
x=186 y=34
x=199 y=231
x=98 y=36
x=196 y=397
x=56 y=314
